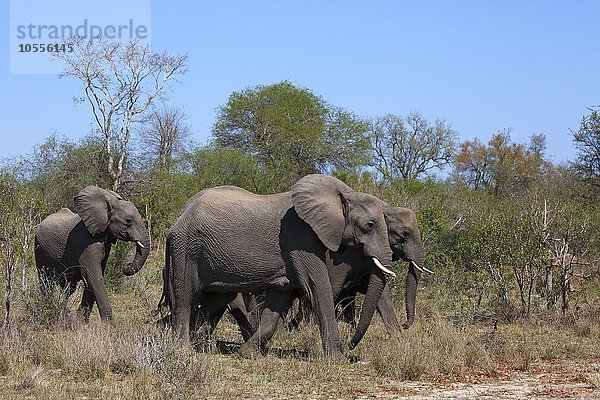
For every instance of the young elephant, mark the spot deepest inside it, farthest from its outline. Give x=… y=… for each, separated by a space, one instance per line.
x=70 y=247
x=227 y=240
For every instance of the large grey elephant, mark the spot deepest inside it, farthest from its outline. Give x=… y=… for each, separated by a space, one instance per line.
x=349 y=274
x=70 y=247
x=227 y=240
x=350 y=270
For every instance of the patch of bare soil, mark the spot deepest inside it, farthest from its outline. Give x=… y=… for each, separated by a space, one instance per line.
x=564 y=379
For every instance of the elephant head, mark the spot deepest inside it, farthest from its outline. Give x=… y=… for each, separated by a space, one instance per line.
x=107 y=214
x=405 y=242
x=343 y=217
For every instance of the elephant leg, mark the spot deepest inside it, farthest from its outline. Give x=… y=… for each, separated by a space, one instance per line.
x=237 y=308
x=182 y=317
x=69 y=288
x=202 y=326
x=323 y=306
x=301 y=313
x=95 y=282
x=254 y=304
x=46 y=283
x=205 y=317
x=297 y=320
x=87 y=303
x=276 y=303
x=183 y=293
x=314 y=279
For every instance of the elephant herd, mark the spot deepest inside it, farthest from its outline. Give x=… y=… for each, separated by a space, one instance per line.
x=321 y=241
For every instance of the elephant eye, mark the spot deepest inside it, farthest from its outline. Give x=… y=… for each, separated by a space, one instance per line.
x=366 y=227
x=128 y=221
x=401 y=236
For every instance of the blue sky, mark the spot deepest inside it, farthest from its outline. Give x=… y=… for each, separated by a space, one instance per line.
x=483 y=66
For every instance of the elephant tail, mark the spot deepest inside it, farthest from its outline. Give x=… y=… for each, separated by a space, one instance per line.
x=164 y=304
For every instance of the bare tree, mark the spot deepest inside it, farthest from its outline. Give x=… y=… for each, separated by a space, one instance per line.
x=120 y=82
x=567 y=242
x=411 y=147
x=164 y=135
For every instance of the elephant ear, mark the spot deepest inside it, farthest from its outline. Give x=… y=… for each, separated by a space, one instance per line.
x=321 y=201
x=93 y=206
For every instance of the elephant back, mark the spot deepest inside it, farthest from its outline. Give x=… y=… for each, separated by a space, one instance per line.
x=63 y=218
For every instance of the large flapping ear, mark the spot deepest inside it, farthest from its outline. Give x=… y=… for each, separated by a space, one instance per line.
x=321 y=201
x=93 y=206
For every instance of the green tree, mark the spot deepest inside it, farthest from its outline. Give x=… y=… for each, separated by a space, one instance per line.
x=215 y=165
x=163 y=193
x=59 y=168
x=291 y=131
x=501 y=166
x=587 y=142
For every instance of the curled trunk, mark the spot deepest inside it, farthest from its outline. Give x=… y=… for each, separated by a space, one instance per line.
x=141 y=254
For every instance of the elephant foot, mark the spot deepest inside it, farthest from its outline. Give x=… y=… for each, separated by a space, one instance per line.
x=164 y=323
x=250 y=351
x=352 y=359
x=336 y=357
x=107 y=318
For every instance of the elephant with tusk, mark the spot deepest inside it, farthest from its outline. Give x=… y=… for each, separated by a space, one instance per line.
x=70 y=247
x=227 y=240
x=349 y=273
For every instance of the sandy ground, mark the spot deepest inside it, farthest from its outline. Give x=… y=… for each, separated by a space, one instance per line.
x=565 y=379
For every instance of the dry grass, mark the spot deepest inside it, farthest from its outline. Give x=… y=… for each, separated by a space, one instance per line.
x=98 y=360
x=520 y=343
x=431 y=346
x=593 y=379
x=50 y=354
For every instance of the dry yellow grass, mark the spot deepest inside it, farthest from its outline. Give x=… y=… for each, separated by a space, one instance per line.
x=131 y=359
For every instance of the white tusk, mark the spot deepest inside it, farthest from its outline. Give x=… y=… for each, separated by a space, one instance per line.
x=140 y=244
x=384 y=269
x=414 y=264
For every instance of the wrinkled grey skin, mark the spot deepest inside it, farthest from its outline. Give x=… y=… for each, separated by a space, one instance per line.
x=70 y=247
x=350 y=269
x=406 y=244
x=228 y=240
x=349 y=273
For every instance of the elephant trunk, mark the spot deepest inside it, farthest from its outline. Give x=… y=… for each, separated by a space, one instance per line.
x=377 y=282
x=141 y=254
x=412 y=279
x=385 y=307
